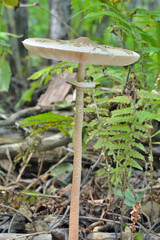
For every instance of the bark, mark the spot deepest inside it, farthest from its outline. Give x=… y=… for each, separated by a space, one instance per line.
x=151 y=4
x=60 y=8
x=18 y=25
x=15 y=61
x=46 y=144
x=21 y=20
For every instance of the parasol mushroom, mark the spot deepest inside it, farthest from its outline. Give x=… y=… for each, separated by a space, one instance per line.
x=82 y=51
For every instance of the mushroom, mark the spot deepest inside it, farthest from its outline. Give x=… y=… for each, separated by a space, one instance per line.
x=82 y=51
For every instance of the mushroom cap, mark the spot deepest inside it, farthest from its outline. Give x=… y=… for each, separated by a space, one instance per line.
x=80 y=50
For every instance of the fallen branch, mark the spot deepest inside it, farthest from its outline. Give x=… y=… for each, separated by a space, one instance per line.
x=46 y=144
x=24 y=236
x=23 y=113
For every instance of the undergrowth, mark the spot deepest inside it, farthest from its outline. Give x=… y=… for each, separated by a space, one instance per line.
x=122 y=126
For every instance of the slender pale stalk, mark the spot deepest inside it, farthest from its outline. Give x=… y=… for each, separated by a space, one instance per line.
x=77 y=162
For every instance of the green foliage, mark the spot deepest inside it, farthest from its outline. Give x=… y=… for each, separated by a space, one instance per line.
x=118 y=123
x=5 y=71
x=38 y=25
x=10 y=3
x=61 y=169
x=42 y=77
x=135 y=29
x=121 y=130
x=138 y=236
x=5 y=74
x=47 y=120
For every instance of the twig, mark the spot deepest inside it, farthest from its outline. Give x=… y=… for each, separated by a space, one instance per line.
x=41 y=166
x=29 y=234
x=51 y=168
x=29 y=5
x=59 y=19
x=114 y=223
x=10 y=165
x=127 y=80
x=158 y=221
x=38 y=195
x=59 y=162
x=61 y=220
x=6 y=206
x=52 y=14
x=92 y=168
x=24 y=166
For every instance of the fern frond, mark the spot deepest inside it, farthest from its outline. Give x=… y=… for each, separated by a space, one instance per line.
x=120 y=127
x=121 y=136
x=133 y=163
x=147 y=95
x=135 y=154
x=117 y=120
x=144 y=115
x=123 y=111
x=139 y=146
x=143 y=128
x=121 y=99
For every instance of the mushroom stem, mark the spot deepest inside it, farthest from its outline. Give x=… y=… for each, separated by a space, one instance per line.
x=77 y=162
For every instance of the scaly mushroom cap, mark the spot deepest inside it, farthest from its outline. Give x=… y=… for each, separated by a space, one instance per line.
x=80 y=50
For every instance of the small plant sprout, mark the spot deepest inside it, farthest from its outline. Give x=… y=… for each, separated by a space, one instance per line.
x=82 y=51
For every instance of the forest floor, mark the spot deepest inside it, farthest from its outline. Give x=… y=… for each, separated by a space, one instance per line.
x=35 y=189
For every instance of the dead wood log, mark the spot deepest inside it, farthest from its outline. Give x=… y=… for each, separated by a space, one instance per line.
x=46 y=144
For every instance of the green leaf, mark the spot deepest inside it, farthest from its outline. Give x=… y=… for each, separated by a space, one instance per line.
x=132 y=163
x=138 y=236
x=156 y=133
x=31 y=198
x=11 y=3
x=121 y=99
x=2 y=110
x=139 y=145
x=136 y=154
x=120 y=127
x=144 y=115
x=122 y=111
x=129 y=198
x=4 y=35
x=116 y=120
x=5 y=74
x=61 y=169
x=46 y=118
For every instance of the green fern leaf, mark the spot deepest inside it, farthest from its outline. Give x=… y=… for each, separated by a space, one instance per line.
x=143 y=128
x=121 y=99
x=123 y=111
x=120 y=127
x=139 y=145
x=148 y=95
x=121 y=136
x=132 y=163
x=117 y=120
x=135 y=154
x=144 y=115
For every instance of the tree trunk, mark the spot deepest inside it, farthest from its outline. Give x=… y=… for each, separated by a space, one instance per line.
x=61 y=9
x=18 y=25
